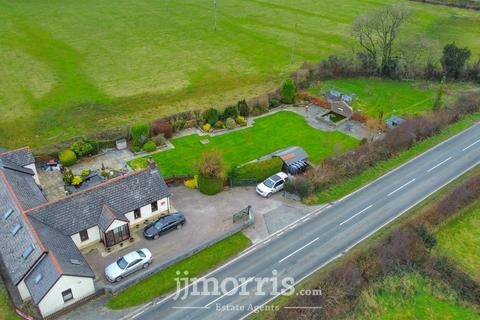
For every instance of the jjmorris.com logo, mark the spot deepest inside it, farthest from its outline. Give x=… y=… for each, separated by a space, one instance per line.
x=242 y=286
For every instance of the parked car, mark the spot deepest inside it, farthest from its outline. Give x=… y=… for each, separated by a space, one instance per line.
x=272 y=184
x=128 y=264
x=164 y=224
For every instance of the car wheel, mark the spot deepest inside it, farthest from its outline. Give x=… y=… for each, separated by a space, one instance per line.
x=156 y=237
x=269 y=195
x=118 y=279
x=145 y=266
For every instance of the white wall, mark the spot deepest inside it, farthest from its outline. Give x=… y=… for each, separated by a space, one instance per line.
x=22 y=288
x=32 y=167
x=93 y=237
x=115 y=224
x=53 y=301
x=146 y=211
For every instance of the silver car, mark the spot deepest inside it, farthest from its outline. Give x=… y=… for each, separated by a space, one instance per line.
x=128 y=264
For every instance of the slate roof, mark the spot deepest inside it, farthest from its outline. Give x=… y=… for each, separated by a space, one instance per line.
x=291 y=155
x=21 y=157
x=123 y=194
x=12 y=246
x=341 y=108
x=49 y=276
x=21 y=182
x=107 y=217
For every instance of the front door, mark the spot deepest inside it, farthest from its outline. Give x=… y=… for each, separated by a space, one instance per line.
x=117 y=235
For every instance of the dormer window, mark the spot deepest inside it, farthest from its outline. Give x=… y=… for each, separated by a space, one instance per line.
x=38 y=277
x=16 y=229
x=27 y=252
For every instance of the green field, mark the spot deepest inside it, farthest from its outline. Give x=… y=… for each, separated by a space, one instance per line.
x=164 y=281
x=268 y=134
x=403 y=98
x=411 y=296
x=71 y=67
x=459 y=239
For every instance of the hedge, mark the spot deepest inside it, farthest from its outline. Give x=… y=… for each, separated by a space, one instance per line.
x=210 y=186
x=259 y=170
x=67 y=158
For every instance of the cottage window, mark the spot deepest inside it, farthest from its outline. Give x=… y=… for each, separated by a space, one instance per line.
x=83 y=235
x=137 y=214
x=154 y=206
x=67 y=295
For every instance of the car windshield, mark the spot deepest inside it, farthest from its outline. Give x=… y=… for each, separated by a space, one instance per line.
x=141 y=254
x=158 y=225
x=122 y=263
x=269 y=183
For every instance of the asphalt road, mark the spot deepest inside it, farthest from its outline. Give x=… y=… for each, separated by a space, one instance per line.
x=305 y=246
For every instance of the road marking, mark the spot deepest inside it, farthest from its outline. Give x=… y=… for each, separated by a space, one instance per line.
x=400 y=188
x=235 y=288
x=267 y=241
x=438 y=165
x=278 y=235
x=291 y=254
x=190 y=307
x=356 y=214
x=136 y=315
x=293 y=227
x=471 y=145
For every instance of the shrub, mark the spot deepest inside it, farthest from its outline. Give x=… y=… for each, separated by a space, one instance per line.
x=257 y=110
x=243 y=109
x=149 y=146
x=159 y=140
x=288 y=92
x=162 y=127
x=231 y=123
x=241 y=121
x=209 y=186
x=85 y=172
x=82 y=148
x=192 y=183
x=299 y=185
x=178 y=124
x=140 y=133
x=67 y=158
x=259 y=170
x=77 y=180
x=273 y=103
x=230 y=112
x=212 y=165
x=191 y=123
x=207 y=127
x=219 y=125
x=136 y=149
x=68 y=177
x=211 y=116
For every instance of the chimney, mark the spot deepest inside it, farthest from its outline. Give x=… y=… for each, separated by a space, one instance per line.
x=151 y=164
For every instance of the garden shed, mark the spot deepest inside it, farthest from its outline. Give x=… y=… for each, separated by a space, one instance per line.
x=394 y=121
x=295 y=159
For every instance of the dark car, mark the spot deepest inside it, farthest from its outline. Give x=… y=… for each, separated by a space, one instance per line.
x=164 y=224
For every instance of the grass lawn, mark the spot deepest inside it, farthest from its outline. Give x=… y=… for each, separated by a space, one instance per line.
x=343 y=188
x=71 y=67
x=196 y=265
x=411 y=296
x=460 y=239
x=6 y=308
x=268 y=134
x=390 y=96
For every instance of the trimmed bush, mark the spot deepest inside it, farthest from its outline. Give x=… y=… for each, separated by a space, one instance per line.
x=192 y=183
x=82 y=148
x=76 y=181
x=211 y=116
x=259 y=170
x=162 y=127
x=140 y=133
x=243 y=109
x=231 y=124
x=150 y=146
x=241 y=121
x=67 y=158
x=85 y=172
x=288 y=92
x=219 y=125
x=210 y=186
x=230 y=112
x=206 y=127
x=159 y=140
x=273 y=103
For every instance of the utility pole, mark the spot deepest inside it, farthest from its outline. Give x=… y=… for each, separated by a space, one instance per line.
x=215 y=14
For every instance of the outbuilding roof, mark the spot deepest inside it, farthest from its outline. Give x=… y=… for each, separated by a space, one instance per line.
x=341 y=108
x=291 y=155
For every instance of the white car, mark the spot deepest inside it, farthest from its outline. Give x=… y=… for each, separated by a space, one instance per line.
x=128 y=264
x=272 y=184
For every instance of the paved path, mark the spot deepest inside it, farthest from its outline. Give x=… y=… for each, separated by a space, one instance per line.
x=322 y=236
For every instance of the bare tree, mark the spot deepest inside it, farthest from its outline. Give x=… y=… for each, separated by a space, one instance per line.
x=376 y=32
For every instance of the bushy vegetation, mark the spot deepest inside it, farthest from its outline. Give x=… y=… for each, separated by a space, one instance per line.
x=149 y=146
x=140 y=133
x=211 y=173
x=162 y=127
x=83 y=148
x=211 y=116
x=288 y=91
x=67 y=158
x=257 y=171
x=243 y=109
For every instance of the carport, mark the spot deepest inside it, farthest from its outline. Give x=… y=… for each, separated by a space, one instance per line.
x=295 y=159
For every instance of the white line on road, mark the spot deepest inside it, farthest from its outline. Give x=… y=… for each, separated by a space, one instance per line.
x=226 y=294
x=356 y=214
x=438 y=165
x=291 y=254
x=466 y=148
x=400 y=188
x=190 y=307
x=133 y=317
